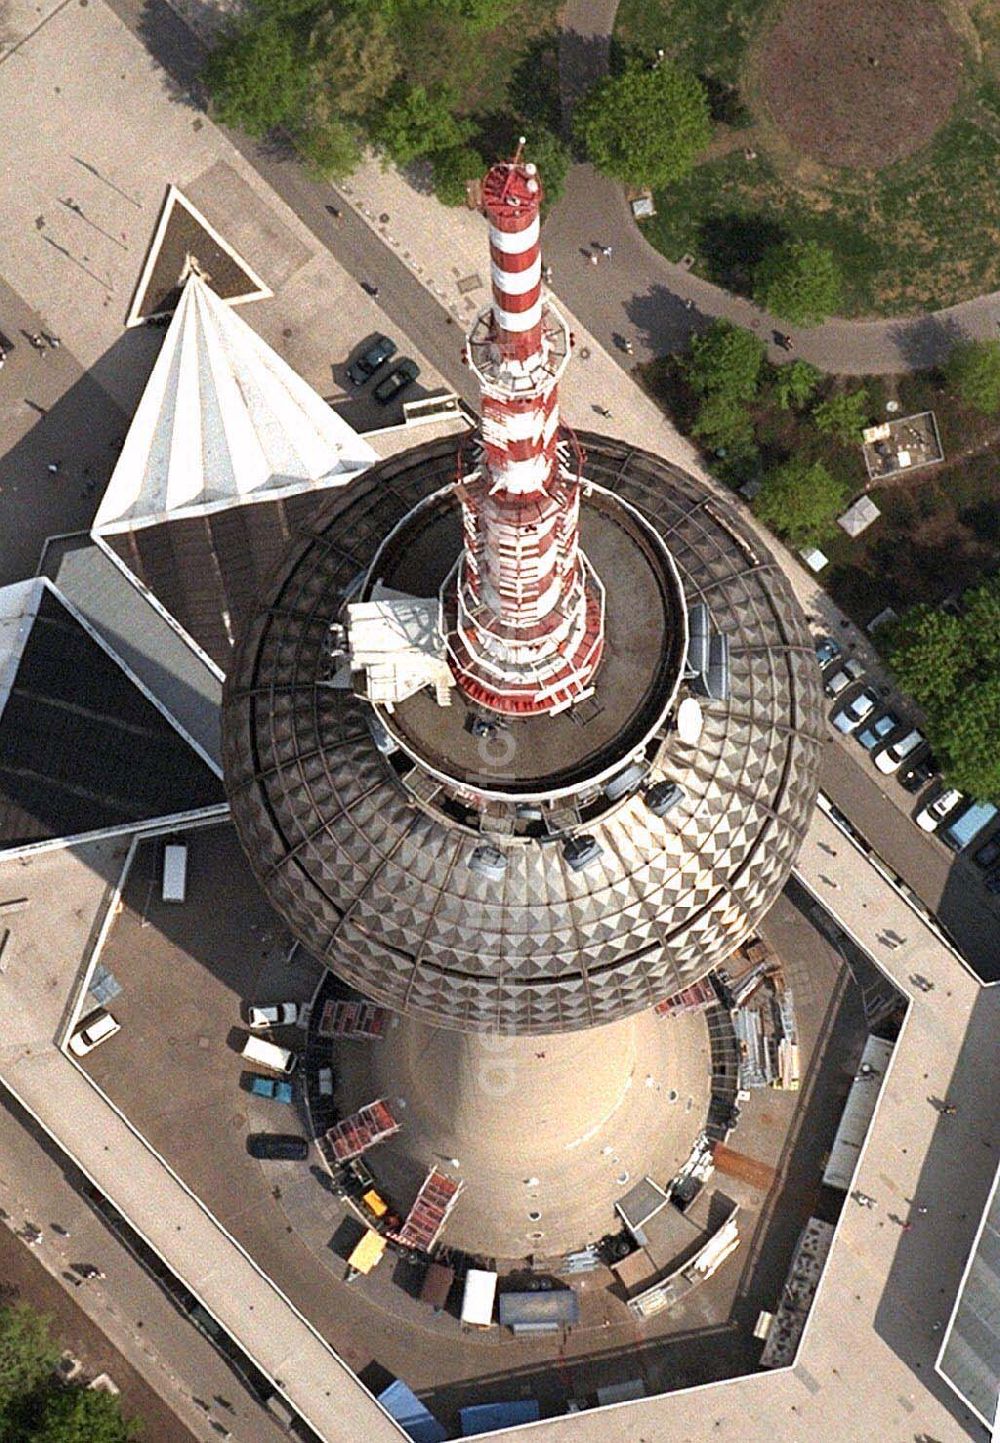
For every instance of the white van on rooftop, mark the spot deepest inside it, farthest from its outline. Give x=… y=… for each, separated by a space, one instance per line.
x=95 y=1028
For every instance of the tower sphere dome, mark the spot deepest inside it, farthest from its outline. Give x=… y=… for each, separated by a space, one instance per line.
x=503 y=873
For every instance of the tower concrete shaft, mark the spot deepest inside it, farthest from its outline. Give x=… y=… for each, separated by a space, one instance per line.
x=528 y=612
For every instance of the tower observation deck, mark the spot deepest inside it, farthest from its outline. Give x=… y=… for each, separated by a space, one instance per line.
x=503 y=828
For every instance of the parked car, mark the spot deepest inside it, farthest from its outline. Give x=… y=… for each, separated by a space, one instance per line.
x=827 y=650
x=854 y=712
x=896 y=752
x=274 y=1088
x=988 y=853
x=95 y=1028
x=962 y=828
x=277 y=1146
x=840 y=679
x=934 y=813
x=397 y=380
x=380 y=351
x=875 y=733
x=916 y=774
x=272 y=1014
x=992 y=882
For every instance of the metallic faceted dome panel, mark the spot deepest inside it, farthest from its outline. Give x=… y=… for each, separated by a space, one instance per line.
x=380 y=888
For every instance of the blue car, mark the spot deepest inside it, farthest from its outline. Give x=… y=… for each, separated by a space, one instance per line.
x=876 y=732
x=827 y=650
x=272 y=1087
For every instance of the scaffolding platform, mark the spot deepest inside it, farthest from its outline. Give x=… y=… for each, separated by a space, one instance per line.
x=699 y=995
x=363 y=1129
x=437 y=1196
x=341 y=1018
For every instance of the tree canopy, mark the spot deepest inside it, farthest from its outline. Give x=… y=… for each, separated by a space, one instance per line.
x=798 y=281
x=950 y=665
x=794 y=384
x=78 y=1415
x=645 y=126
x=452 y=169
x=925 y=653
x=725 y=360
x=799 y=500
x=354 y=61
x=973 y=368
x=420 y=120
x=34 y=1406
x=843 y=415
x=723 y=422
x=257 y=75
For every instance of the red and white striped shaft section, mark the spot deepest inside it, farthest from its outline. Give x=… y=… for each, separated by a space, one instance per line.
x=512 y=199
x=528 y=632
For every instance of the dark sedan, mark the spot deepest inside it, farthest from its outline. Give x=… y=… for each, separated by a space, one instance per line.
x=283 y=1146
x=918 y=773
x=397 y=380
x=380 y=350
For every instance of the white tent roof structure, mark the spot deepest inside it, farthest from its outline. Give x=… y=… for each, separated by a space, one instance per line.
x=223 y=420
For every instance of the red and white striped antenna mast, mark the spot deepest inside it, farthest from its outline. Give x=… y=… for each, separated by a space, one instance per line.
x=525 y=610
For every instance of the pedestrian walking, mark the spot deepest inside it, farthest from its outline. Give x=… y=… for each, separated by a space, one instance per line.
x=606 y=251
x=37 y=341
x=54 y=466
x=949 y=1109
x=688 y=303
x=53 y=341
x=594 y=258
x=921 y=1210
x=629 y=348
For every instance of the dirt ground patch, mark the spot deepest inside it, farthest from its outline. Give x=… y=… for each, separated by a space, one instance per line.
x=860 y=83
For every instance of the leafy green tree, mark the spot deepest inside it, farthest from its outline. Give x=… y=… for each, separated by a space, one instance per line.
x=799 y=500
x=723 y=422
x=452 y=168
x=354 y=60
x=981 y=624
x=257 y=75
x=420 y=121
x=843 y=415
x=799 y=281
x=925 y=653
x=794 y=384
x=552 y=157
x=725 y=360
x=967 y=738
x=27 y=1357
x=330 y=148
x=78 y=1415
x=973 y=368
x=645 y=126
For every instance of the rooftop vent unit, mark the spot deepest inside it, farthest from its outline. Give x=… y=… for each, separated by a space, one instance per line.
x=626 y=781
x=582 y=852
x=698 y=634
x=662 y=797
x=488 y=862
x=717 y=680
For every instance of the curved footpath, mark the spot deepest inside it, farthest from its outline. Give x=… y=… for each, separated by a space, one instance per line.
x=642 y=295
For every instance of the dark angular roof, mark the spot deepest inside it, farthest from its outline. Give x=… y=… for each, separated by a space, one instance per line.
x=378 y=885
x=210 y=571
x=81 y=747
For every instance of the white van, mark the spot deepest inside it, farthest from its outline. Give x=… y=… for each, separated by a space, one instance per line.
x=479 y=1297
x=269 y=1054
x=175 y=861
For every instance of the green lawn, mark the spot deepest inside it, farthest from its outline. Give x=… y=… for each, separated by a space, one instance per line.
x=918 y=235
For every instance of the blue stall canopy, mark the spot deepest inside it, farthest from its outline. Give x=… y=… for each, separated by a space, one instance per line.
x=401 y=1403
x=489 y=1417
